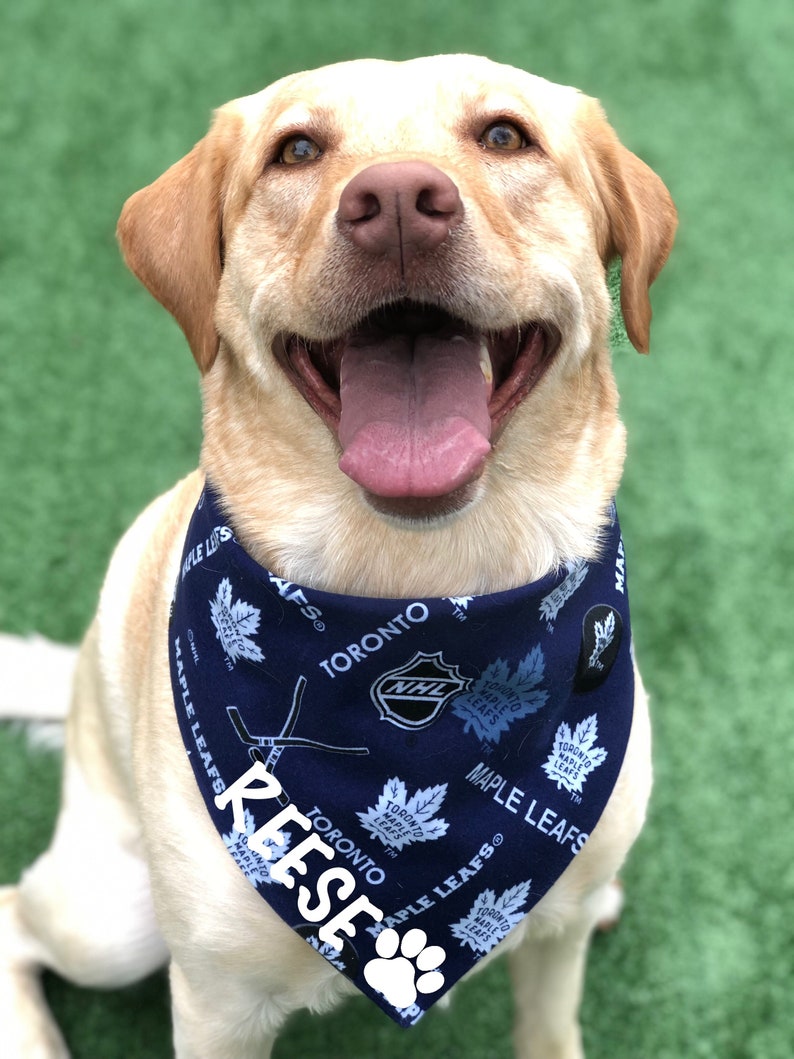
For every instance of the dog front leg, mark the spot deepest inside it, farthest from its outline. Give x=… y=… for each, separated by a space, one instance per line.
x=28 y=1030
x=84 y=908
x=547 y=971
x=547 y=976
x=220 y=1016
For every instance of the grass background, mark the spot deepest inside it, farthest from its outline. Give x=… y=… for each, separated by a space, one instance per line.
x=99 y=411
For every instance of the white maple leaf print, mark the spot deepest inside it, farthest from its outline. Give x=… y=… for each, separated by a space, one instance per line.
x=235 y=623
x=256 y=868
x=551 y=605
x=425 y=803
x=490 y=919
x=399 y=821
x=394 y=791
x=246 y=617
x=604 y=635
x=574 y=755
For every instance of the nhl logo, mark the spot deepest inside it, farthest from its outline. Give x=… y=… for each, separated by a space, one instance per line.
x=413 y=695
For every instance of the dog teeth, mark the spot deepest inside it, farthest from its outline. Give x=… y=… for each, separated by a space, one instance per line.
x=485 y=363
x=486 y=367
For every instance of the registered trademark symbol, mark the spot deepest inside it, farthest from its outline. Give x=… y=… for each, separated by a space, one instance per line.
x=498 y=840
x=319 y=626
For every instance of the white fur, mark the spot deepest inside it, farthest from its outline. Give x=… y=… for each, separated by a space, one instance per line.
x=37 y=678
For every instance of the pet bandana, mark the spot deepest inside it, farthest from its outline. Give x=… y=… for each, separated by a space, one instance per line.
x=401 y=779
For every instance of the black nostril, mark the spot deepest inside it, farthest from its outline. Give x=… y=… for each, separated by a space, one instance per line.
x=399 y=209
x=369 y=206
x=424 y=204
x=438 y=201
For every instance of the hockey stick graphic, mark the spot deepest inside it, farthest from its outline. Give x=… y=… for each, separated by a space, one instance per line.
x=278 y=743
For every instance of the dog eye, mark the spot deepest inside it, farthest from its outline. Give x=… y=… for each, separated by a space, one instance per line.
x=297 y=149
x=504 y=136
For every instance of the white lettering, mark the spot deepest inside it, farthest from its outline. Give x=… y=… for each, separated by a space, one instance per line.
x=272 y=831
x=344 y=921
x=293 y=859
x=241 y=789
x=371 y=642
x=288 y=591
x=322 y=908
x=620 y=569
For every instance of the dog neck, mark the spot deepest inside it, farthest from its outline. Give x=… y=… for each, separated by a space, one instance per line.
x=299 y=516
x=464 y=747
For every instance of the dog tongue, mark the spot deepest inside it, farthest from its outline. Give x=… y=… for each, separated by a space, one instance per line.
x=414 y=419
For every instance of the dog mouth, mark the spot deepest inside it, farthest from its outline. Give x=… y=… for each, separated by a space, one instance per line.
x=417 y=397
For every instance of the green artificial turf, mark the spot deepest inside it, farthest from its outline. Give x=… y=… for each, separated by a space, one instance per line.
x=99 y=411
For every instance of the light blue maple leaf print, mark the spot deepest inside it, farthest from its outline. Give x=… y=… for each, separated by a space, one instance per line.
x=500 y=697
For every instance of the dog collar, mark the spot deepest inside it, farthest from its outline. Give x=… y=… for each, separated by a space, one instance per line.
x=402 y=780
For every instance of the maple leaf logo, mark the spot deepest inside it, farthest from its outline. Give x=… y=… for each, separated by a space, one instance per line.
x=551 y=605
x=604 y=632
x=235 y=624
x=256 y=868
x=499 y=697
x=399 y=821
x=575 y=755
x=460 y=604
x=490 y=919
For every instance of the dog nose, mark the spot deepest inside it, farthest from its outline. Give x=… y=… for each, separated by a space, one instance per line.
x=399 y=209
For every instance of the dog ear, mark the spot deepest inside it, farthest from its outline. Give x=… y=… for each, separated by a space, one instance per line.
x=171 y=236
x=641 y=223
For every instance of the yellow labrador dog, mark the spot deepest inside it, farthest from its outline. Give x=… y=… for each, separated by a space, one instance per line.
x=392 y=278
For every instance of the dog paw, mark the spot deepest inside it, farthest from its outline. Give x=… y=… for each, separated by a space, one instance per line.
x=611 y=906
x=397 y=976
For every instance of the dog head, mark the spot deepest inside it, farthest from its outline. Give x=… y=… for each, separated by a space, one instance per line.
x=392 y=277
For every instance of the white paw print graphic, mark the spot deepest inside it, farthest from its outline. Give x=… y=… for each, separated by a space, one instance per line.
x=396 y=976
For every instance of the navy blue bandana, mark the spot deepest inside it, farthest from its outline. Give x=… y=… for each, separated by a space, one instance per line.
x=400 y=779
